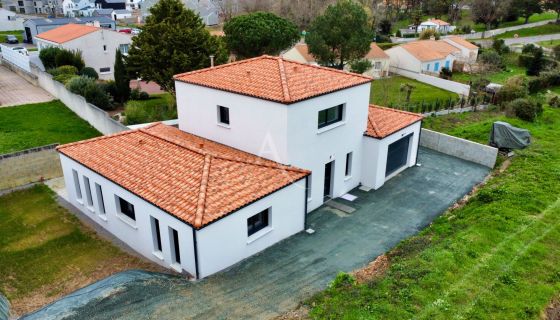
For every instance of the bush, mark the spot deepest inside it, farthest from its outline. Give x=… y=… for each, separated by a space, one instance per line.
x=556 y=52
x=360 y=66
x=63 y=70
x=446 y=73
x=466 y=29
x=343 y=280
x=67 y=57
x=77 y=85
x=386 y=45
x=95 y=95
x=48 y=57
x=139 y=112
x=536 y=63
x=399 y=34
x=529 y=48
x=500 y=47
x=526 y=109
x=89 y=72
x=428 y=33
x=514 y=88
x=136 y=94
x=64 y=78
x=110 y=87
x=143 y=95
x=492 y=59
x=554 y=101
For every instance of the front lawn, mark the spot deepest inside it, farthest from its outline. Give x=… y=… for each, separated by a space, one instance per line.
x=158 y=107
x=534 y=31
x=46 y=253
x=387 y=92
x=512 y=69
x=549 y=44
x=38 y=124
x=494 y=258
x=17 y=33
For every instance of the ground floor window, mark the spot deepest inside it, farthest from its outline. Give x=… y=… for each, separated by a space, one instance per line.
x=127 y=208
x=175 y=245
x=156 y=234
x=77 y=184
x=348 y=169
x=100 y=201
x=89 y=198
x=258 y=222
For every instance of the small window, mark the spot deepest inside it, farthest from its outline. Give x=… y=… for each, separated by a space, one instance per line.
x=105 y=70
x=348 y=170
x=258 y=222
x=330 y=116
x=123 y=48
x=428 y=67
x=223 y=115
x=104 y=48
x=377 y=65
x=156 y=234
x=89 y=198
x=100 y=201
x=77 y=184
x=176 y=253
x=127 y=208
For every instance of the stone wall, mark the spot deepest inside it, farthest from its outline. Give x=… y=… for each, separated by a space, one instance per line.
x=29 y=166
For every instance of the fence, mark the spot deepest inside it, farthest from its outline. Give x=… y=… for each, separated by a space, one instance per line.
x=460 y=148
x=29 y=166
x=16 y=58
x=98 y=118
x=460 y=88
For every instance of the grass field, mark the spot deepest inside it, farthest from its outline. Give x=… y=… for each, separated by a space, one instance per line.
x=534 y=31
x=17 y=33
x=158 y=108
x=45 y=252
x=387 y=92
x=512 y=69
x=549 y=44
x=33 y=125
x=496 y=257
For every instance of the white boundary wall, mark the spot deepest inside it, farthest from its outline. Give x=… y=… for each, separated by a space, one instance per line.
x=448 y=85
x=460 y=148
x=16 y=58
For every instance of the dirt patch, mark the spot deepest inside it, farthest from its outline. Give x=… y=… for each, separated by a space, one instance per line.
x=373 y=270
x=300 y=313
x=552 y=312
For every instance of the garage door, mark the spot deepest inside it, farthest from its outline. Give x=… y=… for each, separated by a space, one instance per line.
x=397 y=154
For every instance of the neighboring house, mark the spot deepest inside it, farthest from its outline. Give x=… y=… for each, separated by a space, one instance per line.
x=97 y=45
x=300 y=53
x=33 y=27
x=121 y=14
x=133 y=4
x=261 y=143
x=9 y=21
x=110 y=4
x=469 y=51
x=436 y=24
x=380 y=62
x=103 y=13
x=206 y=9
x=424 y=56
x=77 y=8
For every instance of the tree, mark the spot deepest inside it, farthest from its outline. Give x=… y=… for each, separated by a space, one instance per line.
x=360 y=66
x=340 y=35
x=437 y=8
x=173 y=40
x=122 y=78
x=407 y=88
x=536 y=63
x=259 y=33
x=553 y=5
x=526 y=8
x=489 y=11
x=428 y=34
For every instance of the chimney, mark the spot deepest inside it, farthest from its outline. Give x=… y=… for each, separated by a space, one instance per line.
x=211 y=61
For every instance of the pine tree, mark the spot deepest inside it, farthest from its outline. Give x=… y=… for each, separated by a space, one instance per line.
x=122 y=79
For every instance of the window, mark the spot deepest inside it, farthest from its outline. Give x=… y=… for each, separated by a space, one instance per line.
x=104 y=48
x=258 y=222
x=428 y=67
x=330 y=116
x=127 y=208
x=377 y=65
x=89 y=198
x=77 y=184
x=348 y=170
x=156 y=234
x=100 y=201
x=20 y=3
x=176 y=253
x=123 y=48
x=223 y=115
x=105 y=70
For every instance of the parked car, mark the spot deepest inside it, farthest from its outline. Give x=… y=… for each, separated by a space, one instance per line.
x=21 y=50
x=135 y=31
x=126 y=31
x=11 y=39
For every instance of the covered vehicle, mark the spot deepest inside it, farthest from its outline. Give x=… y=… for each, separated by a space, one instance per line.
x=506 y=136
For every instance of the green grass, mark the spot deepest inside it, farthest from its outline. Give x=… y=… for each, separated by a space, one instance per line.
x=387 y=92
x=17 y=33
x=158 y=107
x=549 y=44
x=33 y=125
x=494 y=258
x=45 y=252
x=512 y=69
x=534 y=31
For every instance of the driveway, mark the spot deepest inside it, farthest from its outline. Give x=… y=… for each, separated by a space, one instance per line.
x=14 y=90
x=276 y=280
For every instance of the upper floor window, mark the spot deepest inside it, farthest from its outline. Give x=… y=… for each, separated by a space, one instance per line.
x=123 y=48
x=377 y=65
x=330 y=116
x=223 y=115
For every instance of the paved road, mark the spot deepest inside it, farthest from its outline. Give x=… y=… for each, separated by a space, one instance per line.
x=14 y=90
x=521 y=40
x=277 y=279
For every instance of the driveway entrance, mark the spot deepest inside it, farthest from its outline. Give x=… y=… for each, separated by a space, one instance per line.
x=14 y=90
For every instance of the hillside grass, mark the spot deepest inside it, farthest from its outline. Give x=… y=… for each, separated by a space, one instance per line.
x=386 y=92
x=496 y=257
x=512 y=69
x=534 y=31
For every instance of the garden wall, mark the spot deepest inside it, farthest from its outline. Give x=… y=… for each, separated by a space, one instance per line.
x=460 y=148
x=98 y=118
x=448 y=85
x=29 y=166
x=15 y=58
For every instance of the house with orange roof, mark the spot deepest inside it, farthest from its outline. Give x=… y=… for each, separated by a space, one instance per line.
x=97 y=45
x=469 y=51
x=438 y=25
x=260 y=143
x=423 y=56
x=300 y=53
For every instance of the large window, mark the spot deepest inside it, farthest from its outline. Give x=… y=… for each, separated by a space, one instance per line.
x=77 y=184
x=156 y=234
x=330 y=116
x=127 y=208
x=100 y=201
x=258 y=222
x=89 y=198
x=223 y=115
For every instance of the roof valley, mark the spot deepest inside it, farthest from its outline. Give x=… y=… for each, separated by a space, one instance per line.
x=283 y=78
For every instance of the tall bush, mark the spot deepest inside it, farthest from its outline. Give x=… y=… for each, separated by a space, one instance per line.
x=48 y=57
x=71 y=58
x=514 y=88
x=122 y=79
x=526 y=109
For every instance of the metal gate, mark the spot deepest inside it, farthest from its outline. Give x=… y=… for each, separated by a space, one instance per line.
x=397 y=154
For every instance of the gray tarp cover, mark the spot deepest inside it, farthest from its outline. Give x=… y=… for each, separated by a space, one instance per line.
x=504 y=135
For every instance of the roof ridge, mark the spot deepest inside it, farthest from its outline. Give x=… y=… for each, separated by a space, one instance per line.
x=395 y=110
x=201 y=203
x=284 y=80
x=327 y=69
x=221 y=66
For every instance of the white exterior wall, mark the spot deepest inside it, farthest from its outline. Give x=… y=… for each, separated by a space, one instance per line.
x=9 y=21
x=402 y=59
x=381 y=72
x=137 y=235
x=374 y=160
x=467 y=55
x=225 y=242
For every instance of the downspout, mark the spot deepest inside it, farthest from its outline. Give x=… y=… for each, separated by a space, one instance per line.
x=305 y=202
x=195 y=245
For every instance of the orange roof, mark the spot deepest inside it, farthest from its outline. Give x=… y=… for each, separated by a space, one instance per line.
x=428 y=50
x=375 y=52
x=439 y=22
x=462 y=42
x=66 y=32
x=274 y=78
x=383 y=122
x=303 y=49
x=192 y=178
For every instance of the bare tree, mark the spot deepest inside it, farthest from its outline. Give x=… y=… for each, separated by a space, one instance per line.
x=489 y=11
x=228 y=8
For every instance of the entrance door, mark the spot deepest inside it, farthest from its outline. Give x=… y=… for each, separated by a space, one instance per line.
x=328 y=180
x=397 y=154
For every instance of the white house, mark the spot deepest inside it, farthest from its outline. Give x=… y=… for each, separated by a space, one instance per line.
x=261 y=142
x=380 y=62
x=121 y=14
x=424 y=56
x=77 y=8
x=97 y=45
x=437 y=25
x=9 y=21
x=300 y=53
x=469 y=51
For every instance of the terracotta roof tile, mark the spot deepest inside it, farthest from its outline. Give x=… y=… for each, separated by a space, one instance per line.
x=375 y=52
x=274 y=78
x=462 y=42
x=428 y=50
x=192 y=178
x=383 y=122
x=66 y=33
x=439 y=22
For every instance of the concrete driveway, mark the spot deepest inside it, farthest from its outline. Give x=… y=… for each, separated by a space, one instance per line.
x=14 y=90
x=276 y=280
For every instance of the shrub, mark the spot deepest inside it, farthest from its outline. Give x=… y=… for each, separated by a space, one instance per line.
x=466 y=28
x=556 y=52
x=554 y=101
x=143 y=95
x=399 y=34
x=529 y=48
x=63 y=70
x=360 y=66
x=138 y=112
x=89 y=72
x=77 y=85
x=64 y=78
x=135 y=94
x=343 y=280
x=67 y=57
x=526 y=109
x=386 y=45
x=514 y=88
x=95 y=95
x=48 y=57
x=428 y=33
x=492 y=59
x=446 y=73
x=500 y=47
x=536 y=63
x=110 y=88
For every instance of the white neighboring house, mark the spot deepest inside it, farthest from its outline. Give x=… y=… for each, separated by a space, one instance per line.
x=440 y=26
x=9 y=21
x=380 y=62
x=77 y=8
x=97 y=45
x=121 y=14
x=227 y=183
x=424 y=56
x=300 y=53
x=469 y=51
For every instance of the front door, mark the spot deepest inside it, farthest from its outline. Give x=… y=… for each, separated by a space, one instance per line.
x=328 y=180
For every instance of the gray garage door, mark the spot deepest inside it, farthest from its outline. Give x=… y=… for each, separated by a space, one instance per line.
x=397 y=154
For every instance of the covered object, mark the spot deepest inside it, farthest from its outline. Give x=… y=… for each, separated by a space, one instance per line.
x=506 y=136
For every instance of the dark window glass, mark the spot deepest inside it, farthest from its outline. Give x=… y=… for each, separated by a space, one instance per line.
x=127 y=209
x=330 y=116
x=100 y=200
x=107 y=69
x=257 y=222
x=175 y=236
x=158 y=234
x=348 y=170
x=223 y=114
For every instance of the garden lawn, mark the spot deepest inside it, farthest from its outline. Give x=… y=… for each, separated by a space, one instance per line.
x=494 y=258
x=386 y=92
x=17 y=33
x=549 y=44
x=512 y=69
x=45 y=252
x=534 y=31
x=33 y=125
x=158 y=107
